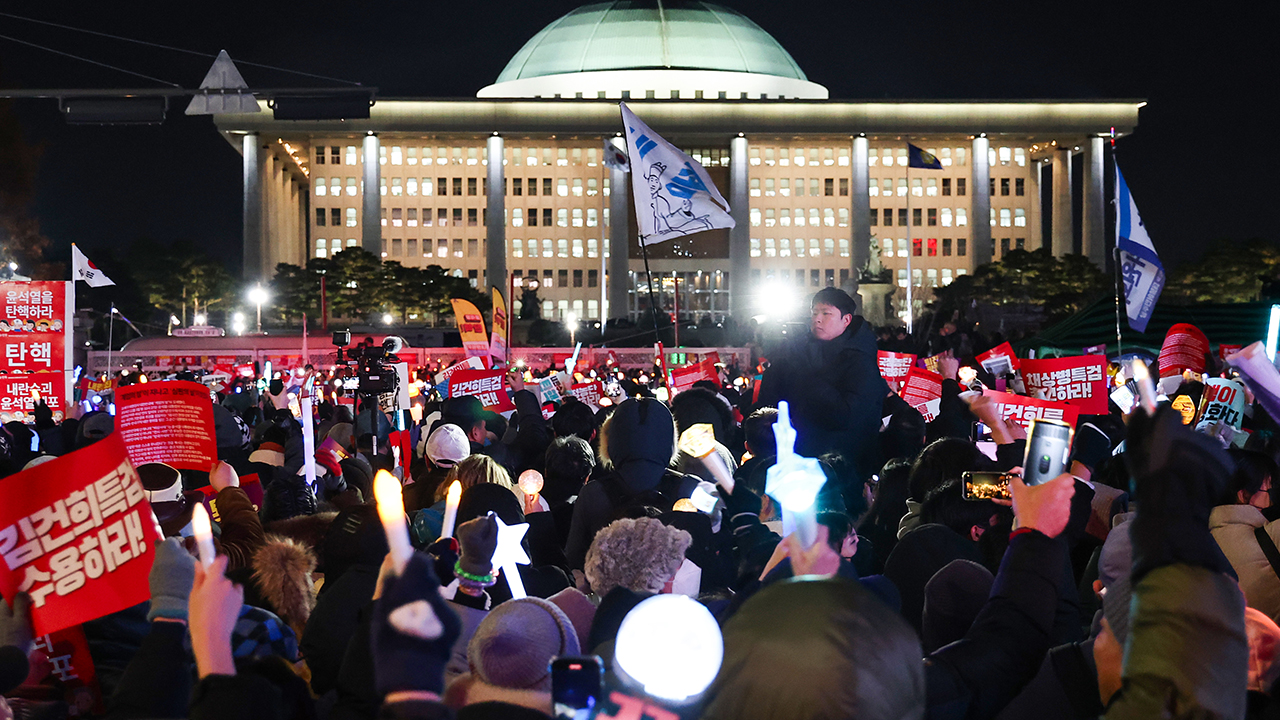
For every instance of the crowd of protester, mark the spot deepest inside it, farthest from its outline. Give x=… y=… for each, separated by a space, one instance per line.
x=1143 y=583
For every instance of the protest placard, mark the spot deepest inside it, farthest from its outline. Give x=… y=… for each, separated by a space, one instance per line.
x=933 y=363
x=1184 y=348
x=554 y=387
x=1022 y=409
x=1079 y=381
x=169 y=422
x=62 y=667
x=1223 y=401
x=250 y=484
x=20 y=393
x=999 y=360
x=498 y=339
x=486 y=385
x=683 y=378
x=921 y=386
x=473 y=363
x=589 y=393
x=75 y=535
x=894 y=366
x=475 y=340
x=36 y=338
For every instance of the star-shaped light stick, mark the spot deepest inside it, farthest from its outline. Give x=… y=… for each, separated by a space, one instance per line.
x=509 y=552
x=700 y=441
x=794 y=481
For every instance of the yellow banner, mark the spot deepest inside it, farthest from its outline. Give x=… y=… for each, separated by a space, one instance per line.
x=471 y=326
x=498 y=339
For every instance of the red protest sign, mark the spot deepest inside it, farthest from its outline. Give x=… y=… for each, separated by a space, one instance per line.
x=61 y=665
x=250 y=484
x=1022 y=409
x=18 y=394
x=589 y=393
x=169 y=422
x=36 y=307
x=1184 y=348
x=30 y=353
x=999 y=360
x=921 y=386
x=683 y=378
x=894 y=366
x=487 y=385
x=1224 y=350
x=75 y=535
x=473 y=363
x=1079 y=381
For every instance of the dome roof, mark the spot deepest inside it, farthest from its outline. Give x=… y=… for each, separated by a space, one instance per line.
x=651 y=34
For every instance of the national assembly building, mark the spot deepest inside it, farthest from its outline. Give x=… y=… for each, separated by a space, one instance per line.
x=512 y=186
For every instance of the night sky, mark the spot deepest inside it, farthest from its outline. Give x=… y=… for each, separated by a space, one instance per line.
x=1199 y=165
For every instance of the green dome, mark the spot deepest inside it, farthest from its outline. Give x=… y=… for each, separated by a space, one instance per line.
x=654 y=34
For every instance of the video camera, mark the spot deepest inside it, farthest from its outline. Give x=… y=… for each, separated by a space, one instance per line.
x=374 y=374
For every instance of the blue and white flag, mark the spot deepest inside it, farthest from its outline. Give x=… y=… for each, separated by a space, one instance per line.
x=1140 y=266
x=674 y=195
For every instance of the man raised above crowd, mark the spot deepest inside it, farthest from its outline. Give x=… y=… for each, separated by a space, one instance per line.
x=832 y=382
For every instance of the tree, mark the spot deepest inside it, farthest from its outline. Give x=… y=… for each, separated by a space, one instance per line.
x=177 y=277
x=21 y=241
x=1229 y=272
x=1030 y=279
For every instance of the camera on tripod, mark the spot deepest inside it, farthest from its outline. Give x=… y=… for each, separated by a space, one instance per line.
x=374 y=374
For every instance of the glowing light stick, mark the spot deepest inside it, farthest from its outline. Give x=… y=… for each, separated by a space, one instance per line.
x=700 y=441
x=685 y=505
x=308 y=435
x=967 y=375
x=531 y=483
x=451 y=509
x=386 y=490
x=204 y=534
x=1146 y=390
x=794 y=481
x=671 y=645
x=509 y=552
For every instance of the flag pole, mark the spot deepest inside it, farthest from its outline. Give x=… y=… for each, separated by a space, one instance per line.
x=911 y=245
x=111 y=328
x=1119 y=271
x=653 y=300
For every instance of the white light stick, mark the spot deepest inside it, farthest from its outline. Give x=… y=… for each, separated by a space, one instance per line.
x=386 y=490
x=700 y=441
x=794 y=481
x=530 y=483
x=204 y=534
x=509 y=552
x=1146 y=389
x=671 y=645
x=572 y=362
x=308 y=436
x=451 y=509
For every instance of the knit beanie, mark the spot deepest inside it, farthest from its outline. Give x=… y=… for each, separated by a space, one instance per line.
x=1115 y=562
x=515 y=643
x=952 y=599
x=477 y=538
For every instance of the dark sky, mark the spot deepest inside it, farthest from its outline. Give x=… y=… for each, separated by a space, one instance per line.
x=1199 y=164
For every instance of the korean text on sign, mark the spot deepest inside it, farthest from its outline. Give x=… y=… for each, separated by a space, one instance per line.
x=1022 y=409
x=1079 y=381
x=75 y=535
x=486 y=385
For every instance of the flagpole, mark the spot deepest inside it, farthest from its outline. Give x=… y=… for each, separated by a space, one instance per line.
x=653 y=301
x=911 y=245
x=1119 y=271
x=111 y=328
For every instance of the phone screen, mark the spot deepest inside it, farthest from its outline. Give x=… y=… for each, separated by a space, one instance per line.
x=981 y=433
x=576 y=684
x=985 y=485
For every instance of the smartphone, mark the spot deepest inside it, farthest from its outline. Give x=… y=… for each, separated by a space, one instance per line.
x=981 y=433
x=985 y=485
x=577 y=682
x=1048 y=447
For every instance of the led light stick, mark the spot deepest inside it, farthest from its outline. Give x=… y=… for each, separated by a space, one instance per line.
x=308 y=435
x=1146 y=389
x=204 y=534
x=794 y=481
x=509 y=552
x=700 y=441
x=451 y=509
x=386 y=490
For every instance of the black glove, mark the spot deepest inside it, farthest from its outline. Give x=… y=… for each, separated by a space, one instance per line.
x=1178 y=476
x=1092 y=446
x=411 y=650
x=445 y=551
x=44 y=416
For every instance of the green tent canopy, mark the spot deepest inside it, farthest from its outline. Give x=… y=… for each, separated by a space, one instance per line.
x=1230 y=323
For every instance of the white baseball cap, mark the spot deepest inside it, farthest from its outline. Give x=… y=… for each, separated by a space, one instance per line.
x=447 y=445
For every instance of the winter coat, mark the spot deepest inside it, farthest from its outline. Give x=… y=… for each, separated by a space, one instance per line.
x=1234 y=528
x=332 y=623
x=1065 y=688
x=835 y=393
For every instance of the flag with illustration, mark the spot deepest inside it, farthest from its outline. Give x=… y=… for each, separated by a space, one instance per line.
x=674 y=195
x=1139 y=264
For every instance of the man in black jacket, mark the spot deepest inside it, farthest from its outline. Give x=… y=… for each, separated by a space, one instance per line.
x=832 y=382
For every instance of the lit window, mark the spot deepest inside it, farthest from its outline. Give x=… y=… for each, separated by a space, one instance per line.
x=768 y=156
x=753 y=156
x=382 y=186
x=546 y=157
x=321 y=188
x=562 y=157
x=842 y=159
x=799 y=157
x=946 y=276
x=873 y=187
x=1019 y=218
x=320 y=246
x=827 y=157
x=411 y=186
x=916 y=187
x=886 y=247
x=945 y=157
x=562 y=217
x=382 y=160
x=813 y=186
x=755 y=247
x=577 y=187
x=397 y=188
x=1020 y=156
x=577 y=247
x=473 y=156
x=993 y=217
x=784 y=187
x=755 y=187
x=873 y=156
x=844 y=247
x=592 y=248
x=843 y=214
x=902 y=187
x=768 y=187
x=960 y=156
x=932 y=245
x=902 y=157
x=546 y=248
x=828 y=217
x=457 y=247
x=562 y=187
x=902 y=277
x=828 y=247
x=755 y=217
x=769 y=219
x=577 y=217
x=591 y=157
x=917 y=277
x=813 y=217
x=577 y=156
x=946 y=217
x=902 y=247
x=961 y=217
x=442 y=156
x=532 y=160
x=932 y=189
x=591 y=187
x=784 y=244
x=784 y=219
x=931 y=275
x=591 y=217
x=770 y=250
x=397 y=158
x=352 y=157
x=517 y=217
x=397 y=217
x=412 y=217
x=411 y=156
x=351 y=217
x=1005 y=155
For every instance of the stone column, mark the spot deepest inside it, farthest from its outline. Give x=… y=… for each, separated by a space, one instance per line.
x=740 y=291
x=371 y=201
x=495 y=254
x=619 y=242
x=1063 y=228
x=859 y=214
x=980 y=203
x=253 y=234
x=1093 y=222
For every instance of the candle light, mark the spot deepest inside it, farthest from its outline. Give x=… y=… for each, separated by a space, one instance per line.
x=451 y=509
x=700 y=441
x=1146 y=390
x=386 y=490
x=794 y=481
x=204 y=534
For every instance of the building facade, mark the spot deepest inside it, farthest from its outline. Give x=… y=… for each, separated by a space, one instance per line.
x=819 y=188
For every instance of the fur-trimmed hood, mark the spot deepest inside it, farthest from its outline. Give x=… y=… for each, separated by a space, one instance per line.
x=282 y=570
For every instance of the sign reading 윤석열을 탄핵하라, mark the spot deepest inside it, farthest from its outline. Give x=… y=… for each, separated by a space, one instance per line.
x=35 y=330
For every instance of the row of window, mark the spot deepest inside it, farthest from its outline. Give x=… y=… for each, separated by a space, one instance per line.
x=932 y=217
x=921 y=247
x=563 y=247
x=783 y=247
x=813 y=277
x=474 y=217
x=826 y=187
x=800 y=157
x=929 y=277
x=920 y=187
x=414 y=155
x=560 y=217
x=558 y=278
x=830 y=217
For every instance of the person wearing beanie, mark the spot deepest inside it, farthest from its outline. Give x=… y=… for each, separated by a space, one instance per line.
x=641 y=555
x=510 y=656
x=473 y=574
x=638 y=446
x=952 y=599
x=545 y=575
x=831 y=380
